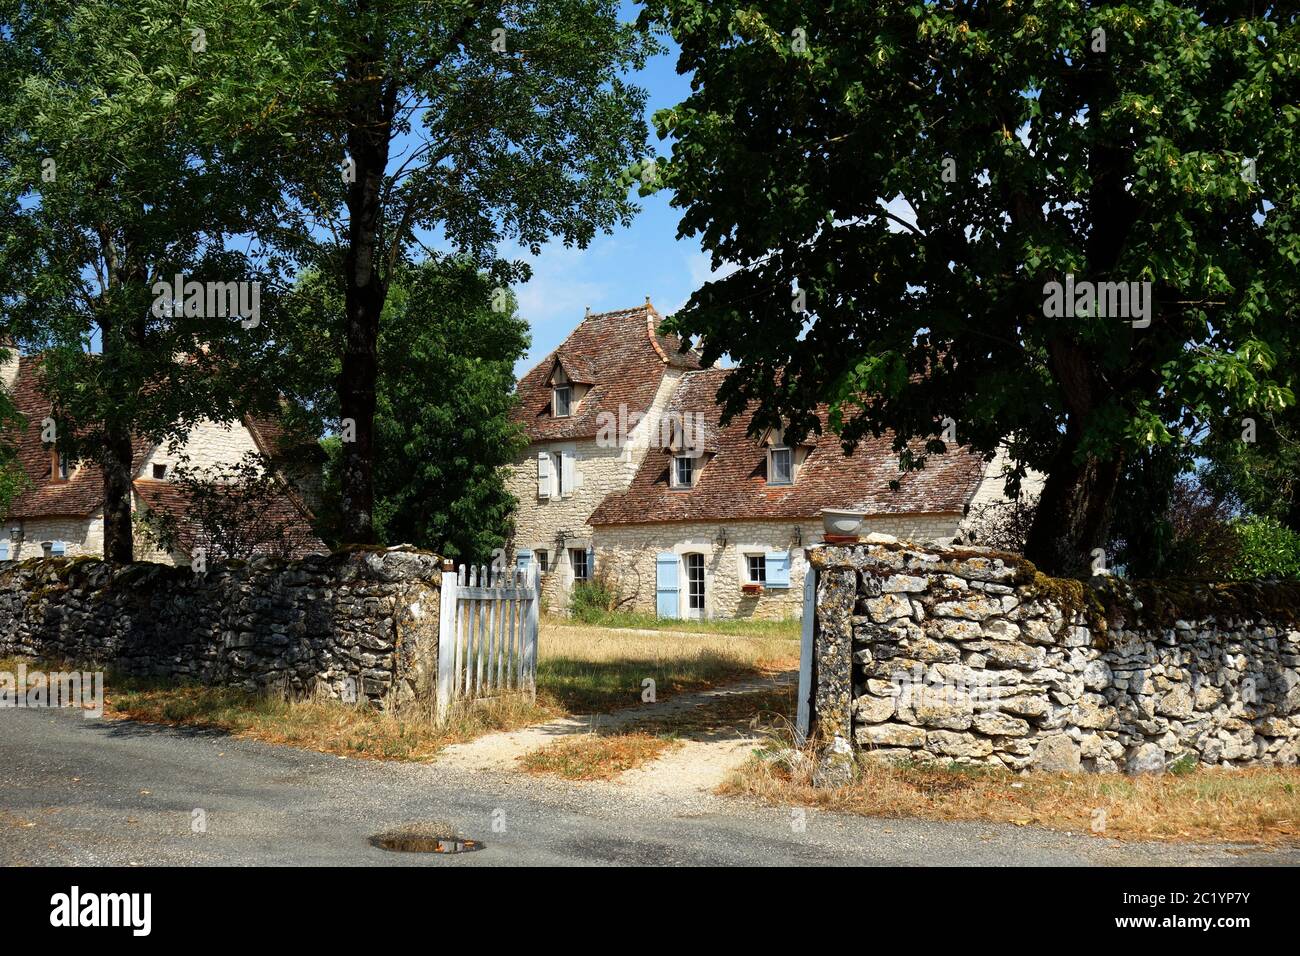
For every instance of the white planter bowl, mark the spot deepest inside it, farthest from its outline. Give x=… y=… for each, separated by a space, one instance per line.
x=842 y=522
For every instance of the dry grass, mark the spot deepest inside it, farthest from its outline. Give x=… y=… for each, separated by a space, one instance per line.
x=580 y=670
x=325 y=726
x=590 y=669
x=770 y=711
x=597 y=757
x=1257 y=806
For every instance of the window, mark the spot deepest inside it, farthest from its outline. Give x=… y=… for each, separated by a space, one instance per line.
x=561 y=486
x=58 y=549
x=694 y=585
x=683 y=471
x=159 y=471
x=563 y=400
x=581 y=566
x=780 y=469
x=65 y=467
x=757 y=565
x=541 y=560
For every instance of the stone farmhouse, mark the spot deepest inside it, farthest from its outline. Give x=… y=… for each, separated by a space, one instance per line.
x=61 y=511
x=629 y=471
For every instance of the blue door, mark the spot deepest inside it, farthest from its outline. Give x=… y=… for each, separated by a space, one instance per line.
x=666 y=600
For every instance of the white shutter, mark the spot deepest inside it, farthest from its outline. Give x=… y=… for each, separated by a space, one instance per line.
x=543 y=474
x=569 y=474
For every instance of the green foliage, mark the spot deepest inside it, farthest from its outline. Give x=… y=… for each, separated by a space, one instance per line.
x=442 y=419
x=1260 y=476
x=594 y=600
x=1267 y=549
x=125 y=159
x=812 y=152
x=478 y=123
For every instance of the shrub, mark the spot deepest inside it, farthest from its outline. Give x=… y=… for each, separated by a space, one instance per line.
x=595 y=598
x=1266 y=549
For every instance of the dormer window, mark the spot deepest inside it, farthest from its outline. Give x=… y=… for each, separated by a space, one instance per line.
x=781 y=460
x=563 y=400
x=780 y=465
x=60 y=466
x=683 y=471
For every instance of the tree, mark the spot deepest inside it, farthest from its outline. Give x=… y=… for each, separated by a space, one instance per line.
x=12 y=476
x=445 y=390
x=476 y=122
x=898 y=186
x=126 y=159
x=1255 y=465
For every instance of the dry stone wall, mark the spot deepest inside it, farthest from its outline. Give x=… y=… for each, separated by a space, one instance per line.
x=928 y=653
x=354 y=623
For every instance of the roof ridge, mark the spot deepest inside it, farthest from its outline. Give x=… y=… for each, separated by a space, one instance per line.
x=652 y=332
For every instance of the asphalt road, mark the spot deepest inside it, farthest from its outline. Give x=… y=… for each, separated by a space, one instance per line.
x=99 y=792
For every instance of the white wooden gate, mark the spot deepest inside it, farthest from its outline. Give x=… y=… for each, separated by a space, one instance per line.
x=487 y=640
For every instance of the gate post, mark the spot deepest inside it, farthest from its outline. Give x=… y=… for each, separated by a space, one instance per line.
x=447 y=637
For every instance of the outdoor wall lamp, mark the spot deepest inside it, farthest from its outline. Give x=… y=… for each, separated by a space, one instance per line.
x=798 y=536
x=16 y=534
x=722 y=536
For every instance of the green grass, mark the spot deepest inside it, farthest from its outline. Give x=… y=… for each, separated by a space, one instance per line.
x=587 y=668
x=789 y=627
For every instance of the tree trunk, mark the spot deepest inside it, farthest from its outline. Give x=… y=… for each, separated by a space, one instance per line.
x=119 y=541
x=1073 y=515
x=365 y=290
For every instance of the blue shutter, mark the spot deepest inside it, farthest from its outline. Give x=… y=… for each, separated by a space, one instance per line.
x=778 y=569
x=523 y=558
x=591 y=564
x=666 y=604
x=58 y=549
x=4 y=550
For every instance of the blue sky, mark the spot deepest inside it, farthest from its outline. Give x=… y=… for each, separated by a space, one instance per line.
x=617 y=271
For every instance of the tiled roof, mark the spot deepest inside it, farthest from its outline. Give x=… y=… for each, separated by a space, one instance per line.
x=620 y=354
x=282 y=511
x=733 y=482
x=83 y=493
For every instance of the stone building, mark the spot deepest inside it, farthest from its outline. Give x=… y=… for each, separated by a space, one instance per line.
x=61 y=513
x=629 y=473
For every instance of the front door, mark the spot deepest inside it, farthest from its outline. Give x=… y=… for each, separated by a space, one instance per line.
x=694 y=585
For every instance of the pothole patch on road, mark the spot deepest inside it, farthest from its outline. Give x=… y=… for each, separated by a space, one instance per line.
x=423 y=840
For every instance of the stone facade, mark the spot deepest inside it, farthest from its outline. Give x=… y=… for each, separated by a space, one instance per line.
x=938 y=654
x=628 y=553
x=208 y=444
x=556 y=523
x=352 y=623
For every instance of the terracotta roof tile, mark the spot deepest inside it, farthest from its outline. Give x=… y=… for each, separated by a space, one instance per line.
x=733 y=481
x=620 y=354
x=282 y=510
x=83 y=493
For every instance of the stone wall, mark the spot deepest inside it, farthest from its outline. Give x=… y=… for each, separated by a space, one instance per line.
x=940 y=654
x=351 y=623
